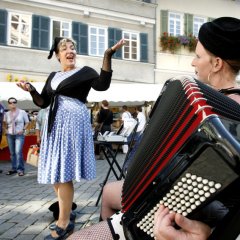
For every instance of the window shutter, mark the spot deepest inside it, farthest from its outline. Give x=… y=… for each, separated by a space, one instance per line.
x=188 y=24
x=40 y=32
x=143 y=47
x=80 y=35
x=3 y=27
x=164 y=21
x=210 y=19
x=114 y=35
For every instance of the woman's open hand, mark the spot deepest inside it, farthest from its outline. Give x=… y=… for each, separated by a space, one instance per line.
x=118 y=45
x=26 y=86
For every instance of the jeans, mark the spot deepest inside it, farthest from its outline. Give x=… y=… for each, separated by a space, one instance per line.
x=15 y=144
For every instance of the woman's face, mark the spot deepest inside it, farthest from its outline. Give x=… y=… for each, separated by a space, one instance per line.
x=67 y=56
x=202 y=64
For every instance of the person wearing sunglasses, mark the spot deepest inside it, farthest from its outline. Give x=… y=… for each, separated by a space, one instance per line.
x=16 y=123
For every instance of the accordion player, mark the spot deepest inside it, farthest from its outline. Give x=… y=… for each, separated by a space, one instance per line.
x=188 y=159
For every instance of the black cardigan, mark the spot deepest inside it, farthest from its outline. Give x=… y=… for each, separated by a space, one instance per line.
x=76 y=86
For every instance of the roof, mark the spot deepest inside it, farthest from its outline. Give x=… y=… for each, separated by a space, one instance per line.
x=117 y=95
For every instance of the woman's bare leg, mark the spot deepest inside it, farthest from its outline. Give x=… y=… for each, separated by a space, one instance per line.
x=65 y=193
x=111 y=199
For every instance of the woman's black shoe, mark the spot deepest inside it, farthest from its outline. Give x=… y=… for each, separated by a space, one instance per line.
x=62 y=233
x=72 y=219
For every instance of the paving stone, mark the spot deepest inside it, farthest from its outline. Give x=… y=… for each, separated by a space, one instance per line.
x=24 y=203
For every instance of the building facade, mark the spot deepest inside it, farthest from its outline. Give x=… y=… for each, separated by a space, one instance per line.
x=182 y=20
x=28 y=27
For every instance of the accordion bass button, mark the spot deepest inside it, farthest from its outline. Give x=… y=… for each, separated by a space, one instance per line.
x=189 y=210
x=199 y=179
x=218 y=185
x=189 y=181
x=184 y=179
x=205 y=181
x=184 y=214
x=200 y=192
x=197 y=203
x=193 y=206
x=196 y=196
x=193 y=177
x=188 y=175
x=211 y=183
x=202 y=199
x=205 y=188
x=195 y=190
x=212 y=190
x=179 y=184
x=207 y=194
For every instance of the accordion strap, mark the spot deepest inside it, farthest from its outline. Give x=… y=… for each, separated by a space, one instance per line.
x=228 y=91
x=228 y=227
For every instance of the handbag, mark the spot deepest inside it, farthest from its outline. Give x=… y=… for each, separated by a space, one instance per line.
x=33 y=154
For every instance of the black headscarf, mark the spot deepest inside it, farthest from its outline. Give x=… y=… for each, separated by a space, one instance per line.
x=54 y=46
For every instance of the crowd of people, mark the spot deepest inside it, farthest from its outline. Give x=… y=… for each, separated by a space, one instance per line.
x=66 y=140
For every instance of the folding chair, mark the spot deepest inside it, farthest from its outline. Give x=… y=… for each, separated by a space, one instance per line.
x=127 y=132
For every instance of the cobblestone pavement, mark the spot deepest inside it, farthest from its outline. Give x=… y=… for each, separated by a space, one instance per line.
x=24 y=203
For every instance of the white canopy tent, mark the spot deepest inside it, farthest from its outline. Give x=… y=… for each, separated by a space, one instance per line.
x=118 y=94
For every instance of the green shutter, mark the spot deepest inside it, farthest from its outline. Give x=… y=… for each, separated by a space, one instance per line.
x=188 y=24
x=3 y=27
x=210 y=19
x=40 y=32
x=114 y=35
x=143 y=47
x=164 y=21
x=80 y=35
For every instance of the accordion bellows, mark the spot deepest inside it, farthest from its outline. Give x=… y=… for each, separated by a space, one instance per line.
x=188 y=156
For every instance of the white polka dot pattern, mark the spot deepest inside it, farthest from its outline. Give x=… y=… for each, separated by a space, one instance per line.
x=184 y=197
x=68 y=153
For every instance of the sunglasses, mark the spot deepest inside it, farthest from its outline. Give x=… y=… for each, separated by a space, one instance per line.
x=12 y=102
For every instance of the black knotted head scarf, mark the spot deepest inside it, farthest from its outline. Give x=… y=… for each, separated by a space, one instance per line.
x=54 y=46
x=221 y=37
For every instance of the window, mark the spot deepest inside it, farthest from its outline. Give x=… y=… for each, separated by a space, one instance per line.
x=175 y=24
x=19 y=30
x=61 y=29
x=197 y=23
x=97 y=41
x=131 y=48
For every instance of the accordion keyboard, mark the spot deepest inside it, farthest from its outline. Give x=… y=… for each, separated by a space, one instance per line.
x=184 y=197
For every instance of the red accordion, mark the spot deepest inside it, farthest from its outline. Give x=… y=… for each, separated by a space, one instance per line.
x=189 y=156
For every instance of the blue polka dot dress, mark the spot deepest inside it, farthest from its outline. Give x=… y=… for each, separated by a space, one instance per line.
x=67 y=154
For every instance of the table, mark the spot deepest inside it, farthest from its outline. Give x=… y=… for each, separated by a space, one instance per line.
x=111 y=157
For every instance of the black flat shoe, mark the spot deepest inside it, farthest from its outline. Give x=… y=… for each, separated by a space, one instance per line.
x=11 y=172
x=72 y=219
x=62 y=233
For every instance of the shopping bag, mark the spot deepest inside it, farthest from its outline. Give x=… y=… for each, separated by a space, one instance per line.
x=32 y=156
